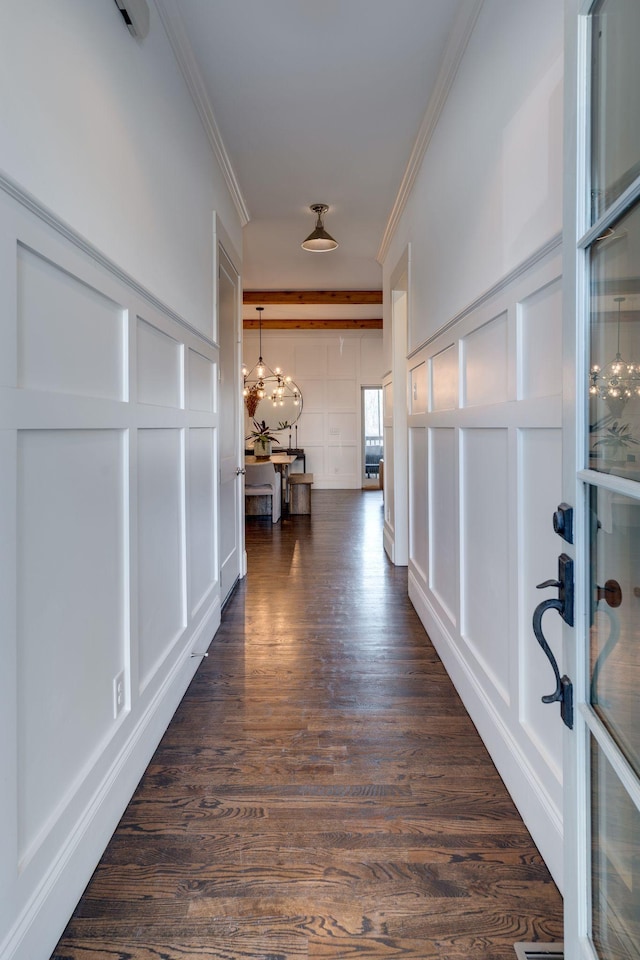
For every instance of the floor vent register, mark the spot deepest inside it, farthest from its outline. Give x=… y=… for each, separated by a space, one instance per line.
x=539 y=951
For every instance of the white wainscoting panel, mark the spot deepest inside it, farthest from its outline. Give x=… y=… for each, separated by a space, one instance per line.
x=161 y=600
x=93 y=553
x=311 y=360
x=71 y=338
x=313 y=430
x=540 y=350
x=342 y=358
x=443 y=519
x=494 y=471
x=418 y=389
x=159 y=376
x=485 y=353
x=444 y=379
x=343 y=426
x=314 y=395
x=202 y=528
x=418 y=543
x=387 y=400
x=315 y=458
x=341 y=395
x=71 y=601
x=342 y=461
x=485 y=552
x=201 y=377
x=540 y=470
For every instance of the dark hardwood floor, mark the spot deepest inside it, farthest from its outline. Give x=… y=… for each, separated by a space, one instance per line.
x=321 y=792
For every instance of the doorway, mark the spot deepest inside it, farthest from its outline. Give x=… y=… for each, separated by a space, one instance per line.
x=372 y=437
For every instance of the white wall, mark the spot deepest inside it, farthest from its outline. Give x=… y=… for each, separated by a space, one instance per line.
x=99 y=127
x=330 y=368
x=485 y=387
x=108 y=435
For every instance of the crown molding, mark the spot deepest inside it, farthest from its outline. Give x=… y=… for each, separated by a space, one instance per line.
x=449 y=65
x=183 y=52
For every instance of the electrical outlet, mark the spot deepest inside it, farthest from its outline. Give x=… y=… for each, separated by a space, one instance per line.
x=118 y=695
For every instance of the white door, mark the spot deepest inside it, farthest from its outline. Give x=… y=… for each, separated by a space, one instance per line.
x=230 y=448
x=602 y=478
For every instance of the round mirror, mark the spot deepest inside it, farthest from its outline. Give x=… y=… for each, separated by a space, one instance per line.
x=281 y=405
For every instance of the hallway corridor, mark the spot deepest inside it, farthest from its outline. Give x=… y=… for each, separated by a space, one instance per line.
x=321 y=792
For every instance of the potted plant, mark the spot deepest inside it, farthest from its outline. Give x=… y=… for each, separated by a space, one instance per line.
x=262 y=440
x=615 y=441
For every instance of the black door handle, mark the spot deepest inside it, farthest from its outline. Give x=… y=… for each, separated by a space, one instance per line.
x=563 y=693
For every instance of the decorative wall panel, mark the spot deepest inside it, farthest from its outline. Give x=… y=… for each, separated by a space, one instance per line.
x=418 y=389
x=159 y=363
x=485 y=552
x=341 y=395
x=311 y=360
x=202 y=542
x=342 y=461
x=443 y=519
x=342 y=358
x=485 y=353
x=71 y=601
x=201 y=382
x=540 y=350
x=444 y=379
x=342 y=425
x=161 y=600
x=71 y=338
x=418 y=540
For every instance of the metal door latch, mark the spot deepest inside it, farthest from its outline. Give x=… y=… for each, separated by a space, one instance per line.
x=563 y=694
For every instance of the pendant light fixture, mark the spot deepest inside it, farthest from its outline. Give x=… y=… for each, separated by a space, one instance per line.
x=319 y=241
x=261 y=381
x=619 y=380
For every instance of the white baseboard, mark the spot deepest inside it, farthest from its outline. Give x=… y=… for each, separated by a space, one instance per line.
x=540 y=815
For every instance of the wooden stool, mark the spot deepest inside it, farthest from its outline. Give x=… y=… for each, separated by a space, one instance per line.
x=300 y=492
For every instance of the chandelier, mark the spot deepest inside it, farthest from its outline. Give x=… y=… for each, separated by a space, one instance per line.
x=619 y=380
x=261 y=382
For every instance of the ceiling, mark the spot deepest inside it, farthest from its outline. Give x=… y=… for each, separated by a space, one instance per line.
x=317 y=101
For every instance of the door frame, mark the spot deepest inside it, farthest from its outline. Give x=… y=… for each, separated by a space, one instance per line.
x=396 y=508
x=578 y=236
x=223 y=243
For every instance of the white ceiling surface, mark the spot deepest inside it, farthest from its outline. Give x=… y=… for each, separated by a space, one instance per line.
x=316 y=101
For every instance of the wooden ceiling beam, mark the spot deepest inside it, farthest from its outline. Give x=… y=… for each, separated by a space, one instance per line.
x=261 y=297
x=375 y=324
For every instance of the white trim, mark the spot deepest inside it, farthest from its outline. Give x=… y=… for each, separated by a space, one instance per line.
x=183 y=52
x=27 y=200
x=449 y=64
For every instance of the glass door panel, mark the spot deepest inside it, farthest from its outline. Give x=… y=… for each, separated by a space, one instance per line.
x=615 y=630
x=615 y=139
x=611 y=648
x=614 y=362
x=615 y=864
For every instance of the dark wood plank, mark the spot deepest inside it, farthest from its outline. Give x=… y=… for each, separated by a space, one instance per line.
x=297 y=297
x=317 y=324
x=321 y=792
